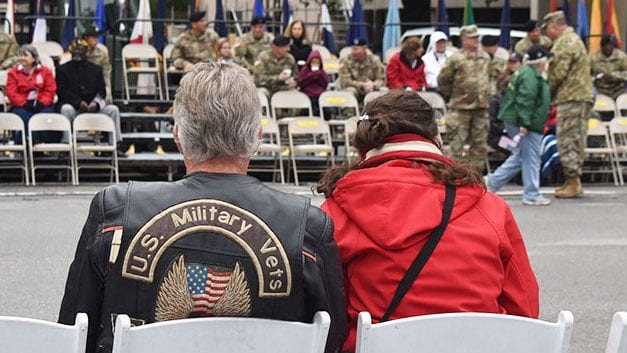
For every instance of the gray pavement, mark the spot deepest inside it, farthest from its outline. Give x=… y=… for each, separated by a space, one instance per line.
x=577 y=249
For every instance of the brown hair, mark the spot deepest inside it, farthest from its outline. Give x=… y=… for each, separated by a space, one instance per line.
x=288 y=30
x=399 y=112
x=411 y=45
x=219 y=43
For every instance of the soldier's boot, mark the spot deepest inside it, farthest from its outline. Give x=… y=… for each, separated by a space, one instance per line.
x=562 y=187
x=572 y=189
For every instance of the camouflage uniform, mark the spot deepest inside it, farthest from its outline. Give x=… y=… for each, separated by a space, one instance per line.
x=352 y=71
x=497 y=69
x=524 y=44
x=100 y=57
x=268 y=68
x=9 y=51
x=194 y=49
x=571 y=91
x=465 y=79
x=250 y=48
x=615 y=64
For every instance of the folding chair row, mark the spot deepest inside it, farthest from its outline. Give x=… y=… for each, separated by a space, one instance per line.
x=604 y=143
x=609 y=108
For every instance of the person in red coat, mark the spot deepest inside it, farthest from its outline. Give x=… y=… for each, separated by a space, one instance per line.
x=406 y=69
x=386 y=207
x=30 y=86
x=312 y=79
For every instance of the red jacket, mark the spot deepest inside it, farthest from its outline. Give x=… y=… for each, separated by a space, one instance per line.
x=400 y=74
x=383 y=216
x=19 y=84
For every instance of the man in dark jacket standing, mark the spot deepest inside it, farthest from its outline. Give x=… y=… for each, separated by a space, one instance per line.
x=216 y=243
x=81 y=88
x=524 y=111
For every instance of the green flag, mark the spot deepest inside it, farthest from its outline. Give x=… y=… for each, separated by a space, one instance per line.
x=469 y=17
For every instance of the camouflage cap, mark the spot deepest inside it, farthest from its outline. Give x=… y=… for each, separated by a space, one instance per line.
x=469 y=31
x=554 y=16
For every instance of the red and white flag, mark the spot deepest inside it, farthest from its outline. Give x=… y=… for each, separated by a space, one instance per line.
x=142 y=32
x=9 y=24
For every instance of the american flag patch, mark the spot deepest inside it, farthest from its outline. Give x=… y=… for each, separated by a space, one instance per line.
x=206 y=286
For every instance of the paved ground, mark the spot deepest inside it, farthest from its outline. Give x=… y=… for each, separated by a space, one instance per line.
x=578 y=250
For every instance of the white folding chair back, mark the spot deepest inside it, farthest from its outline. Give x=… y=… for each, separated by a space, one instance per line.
x=344 y=52
x=618 y=137
x=271 y=144
x=324 y=52
x=604 y=104
x=50 y=48
x=4 y=75
x=19 y=334
x=50 y=122
x=290 y=100
x=389 y=54
x=315 y=128
x=372 y=95
x=147 y=55
x=265 y=105
x=617 y=339
x=601 y=150
x=222 y=335
x=621 y=105
x=465 y=332
x=48 y=62
x=3 y=101
x=437 y=102
x=99 y=123
x=12 y=122
x=169 y=69
x=331 y=66
x=339 y=99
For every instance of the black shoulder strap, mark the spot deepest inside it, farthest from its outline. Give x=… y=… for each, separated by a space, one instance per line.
x=424 y=254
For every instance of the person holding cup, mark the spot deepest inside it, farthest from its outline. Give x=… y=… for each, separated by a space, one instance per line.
x=275 y=69
x=312 y=79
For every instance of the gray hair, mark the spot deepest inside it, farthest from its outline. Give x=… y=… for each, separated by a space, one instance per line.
x=27 y=48
x=217 y=112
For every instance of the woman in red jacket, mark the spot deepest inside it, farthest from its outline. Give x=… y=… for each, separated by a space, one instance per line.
x=389 y=204
x=30 y=86
x=406 y=69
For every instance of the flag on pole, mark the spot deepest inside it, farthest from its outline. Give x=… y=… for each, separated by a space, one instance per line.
x=69 y=28
x=442 y=18
x=286 y=14
x=582 y=20
x=101 y=19
x=196 y=5
x=611 y=24
x=9 y=23
x=39 y=33
x=469 y=17
x=392 y=31
x=219 y=26
x=355 y=29
x=566 y=9
x=326 y=31
x=553 y=5
x=596 y=29
x=159 y=34
x=142 y=31
x=505 y=39
x=258 y=11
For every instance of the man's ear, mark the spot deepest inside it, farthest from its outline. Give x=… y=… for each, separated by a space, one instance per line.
x=175 y=132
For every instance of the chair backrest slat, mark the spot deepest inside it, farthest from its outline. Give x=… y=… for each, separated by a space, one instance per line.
x=19 y=334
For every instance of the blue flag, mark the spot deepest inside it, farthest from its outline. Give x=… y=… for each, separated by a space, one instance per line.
x=69 y=29
x=219 y=26
x=101 y=19
x=442 y=18
x=286 y=14
x=326 y=30
x=582 y=20
x=566 y=9
x=505 y=40
x=258 y=11
x=356 y=30
x=392 y=31
x=159 y=35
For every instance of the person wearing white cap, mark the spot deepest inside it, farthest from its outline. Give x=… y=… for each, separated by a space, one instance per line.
x=437 y=53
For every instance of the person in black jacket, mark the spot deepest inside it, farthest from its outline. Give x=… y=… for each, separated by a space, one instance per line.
x=299 y=46
x=216 y=243
x=81 y=88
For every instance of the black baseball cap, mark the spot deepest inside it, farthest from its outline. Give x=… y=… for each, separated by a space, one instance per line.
x=281 y=41
x=531 y=25
x=537 y=53
x=360 y=41
x=489 y=41
x=197 y=16
x=258 y=20
x=92 y=31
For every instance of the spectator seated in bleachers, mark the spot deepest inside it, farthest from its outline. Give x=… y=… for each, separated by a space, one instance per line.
x=361 y=72
x=406 y=69
x=81 y=89
x=31 y=88
x=300 y=48
x=609 y=68
x=253 y=43
x=195 y=45
x=437 y=54
x=275 y=69
x=313 y=80
x=8 y=51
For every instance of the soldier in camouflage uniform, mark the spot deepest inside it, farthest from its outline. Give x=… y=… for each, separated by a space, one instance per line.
x=361 y=72
x=571 y=92
x=490 y=44
x=276 y=69
x=465 y=80
x=98 y=55
x=195 y=45
x=609 y=68
x=8 y=51
x=253 y=43
x=534 y=36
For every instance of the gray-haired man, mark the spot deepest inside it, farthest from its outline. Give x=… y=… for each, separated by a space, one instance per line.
x=152 y=250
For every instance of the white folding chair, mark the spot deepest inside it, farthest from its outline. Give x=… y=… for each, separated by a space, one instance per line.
x=331 y=66
x=372 y=95
x=147 y=56
x=98 y=123
x=12 y=123
x=289 y=100
x=265 y=105
x=316 y=129
x=3 y=101
x=25 y=335
x=618 y=138
x=465 y=332
x=605 y=106
x=48 y=62
x=617 y=339
x=621 y=105
x=222 y=335
x=341 y=100
x=50 y=48
x=50 y=122
x=436 y=101
x=389 y=54
x=599 y=151
x=351 y=127
x=169 y=69
x=324 y=52
x=271 y=145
